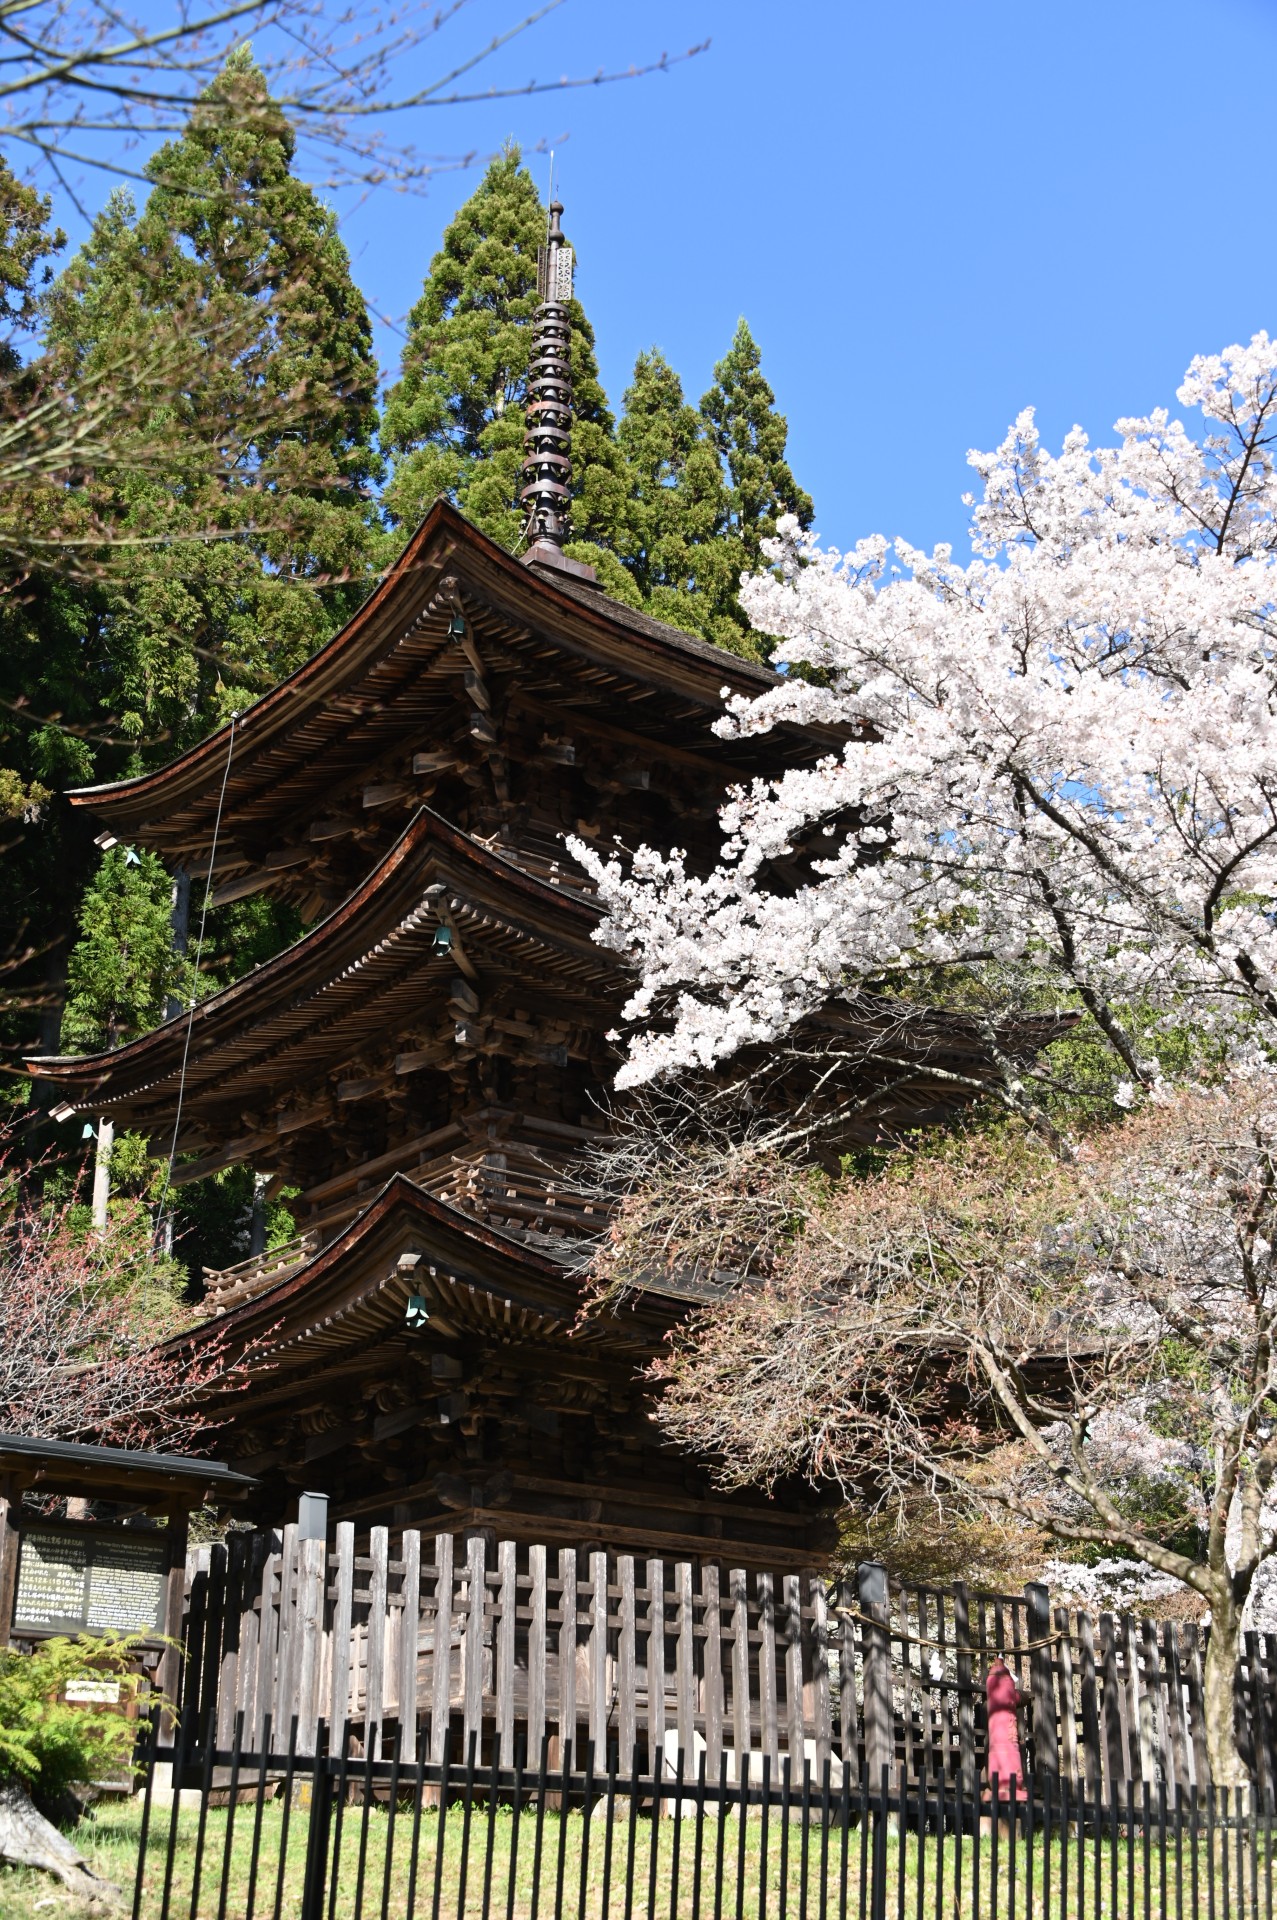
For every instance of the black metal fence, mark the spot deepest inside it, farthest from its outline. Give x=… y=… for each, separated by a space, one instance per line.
x=238 y=1834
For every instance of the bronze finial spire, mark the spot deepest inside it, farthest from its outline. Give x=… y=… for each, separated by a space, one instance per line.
x=546 y=475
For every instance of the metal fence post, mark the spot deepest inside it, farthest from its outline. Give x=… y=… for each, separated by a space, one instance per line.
x=315 y=1883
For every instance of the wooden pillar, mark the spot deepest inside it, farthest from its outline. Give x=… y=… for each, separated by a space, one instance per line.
x=875 y=1649
x=10 y=1501
x=169 y=1673
x=1046 y=1747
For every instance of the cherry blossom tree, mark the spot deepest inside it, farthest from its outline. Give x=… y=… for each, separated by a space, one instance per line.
x=1058 y=790
x=1078 y=1345
x=1060 y=757
x=86 y=1324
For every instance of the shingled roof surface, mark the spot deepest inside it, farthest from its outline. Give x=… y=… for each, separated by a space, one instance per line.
x=372 y=684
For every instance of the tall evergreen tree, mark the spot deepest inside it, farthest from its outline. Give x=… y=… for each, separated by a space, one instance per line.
x=454 y=421
x=26 y=245
x=233 y=495
x=123 y=966
x=226 y=589
x=49 y=669
x=751 y=439
x=27 y=761
x=703 y=490
x=670 y=535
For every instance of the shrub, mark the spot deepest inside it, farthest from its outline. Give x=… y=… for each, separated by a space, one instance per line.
x=48 y=1743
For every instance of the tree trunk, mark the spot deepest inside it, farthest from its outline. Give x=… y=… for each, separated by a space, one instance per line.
x=27 y=1839
x=102 y=1173
x=257 y=1220
x=1219 y=1710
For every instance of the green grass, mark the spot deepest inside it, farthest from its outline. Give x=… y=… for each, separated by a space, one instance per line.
x=111 y=1835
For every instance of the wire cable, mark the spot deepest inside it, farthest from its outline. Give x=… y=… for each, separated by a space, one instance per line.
x=195 y=976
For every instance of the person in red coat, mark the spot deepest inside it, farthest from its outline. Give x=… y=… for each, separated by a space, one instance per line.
x=1005 y=1762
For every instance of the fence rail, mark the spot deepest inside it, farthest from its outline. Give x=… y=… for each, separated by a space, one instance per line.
x=340 y=1835
x=512 y=1645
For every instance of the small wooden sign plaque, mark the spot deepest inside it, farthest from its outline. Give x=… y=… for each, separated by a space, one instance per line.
x=85 y=1580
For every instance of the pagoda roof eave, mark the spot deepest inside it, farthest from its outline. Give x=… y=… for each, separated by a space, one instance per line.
x=586 y=624
x=389 y=902
x=357 y=1288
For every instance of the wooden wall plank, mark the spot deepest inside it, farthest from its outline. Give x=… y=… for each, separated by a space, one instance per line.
x=441 y=1653
x=1192 y=1645
x=1268 y=1719
x=791 y=1589
x=1179 y=1773
x=268 y=1641
x=926 y=1689
x=626 y=1663
x=214 y=1636
x=1246 y=1703
x=472 y=1646
x=738 y=1591
x=1046 y=1746
x=193 y=1636
x=378 y=1607
x=1116 y=1748
x=343 y=1612
x=409 y=1639
x=946 y=1749
x=965 y=1671
x=685 y=1660
x=712 y=1665
x=538 y=1646
x=1062 y=1670
x=768 y=1629
x=507 y=1604
x=249 y=1627
x=567 y=1652
x=1089 y=1701
x=312 y=1569
x=878 y=1707
x=655 y=1665
x=848 y=1711
x=600 y=1702
x=1152 y=1705
x=908 y=1686
x=228 y=1665
x=822 y=1704
x=285 y=1627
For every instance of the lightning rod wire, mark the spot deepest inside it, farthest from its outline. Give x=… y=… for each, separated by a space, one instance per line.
x=195 y=975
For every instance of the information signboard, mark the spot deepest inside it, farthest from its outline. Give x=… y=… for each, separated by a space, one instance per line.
x=79 y=1580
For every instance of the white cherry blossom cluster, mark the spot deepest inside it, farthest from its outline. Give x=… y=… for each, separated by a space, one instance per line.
x=1113 y=1582
x=1062 y=754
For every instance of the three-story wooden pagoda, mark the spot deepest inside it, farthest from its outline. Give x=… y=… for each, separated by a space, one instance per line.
x=427 y=1061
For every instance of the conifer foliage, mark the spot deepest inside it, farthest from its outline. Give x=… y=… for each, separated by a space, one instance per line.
x=219 y=599
x=454 y=422
x=124 y=965
x=670 y=506
x=670 y=536
x=704 y=489
x=751 y=437
x=222 y=530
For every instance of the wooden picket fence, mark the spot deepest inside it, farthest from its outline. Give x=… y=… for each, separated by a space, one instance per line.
x=517 y=1644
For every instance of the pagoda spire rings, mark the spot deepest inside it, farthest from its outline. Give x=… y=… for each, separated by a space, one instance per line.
x=546 y=474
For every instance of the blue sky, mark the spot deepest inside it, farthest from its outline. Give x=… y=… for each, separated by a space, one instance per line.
x=931 y=213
